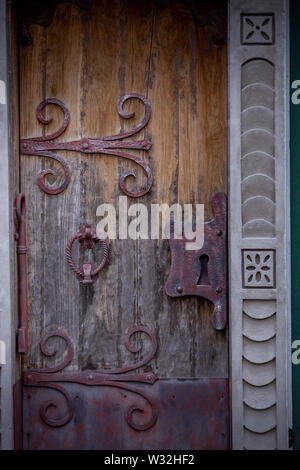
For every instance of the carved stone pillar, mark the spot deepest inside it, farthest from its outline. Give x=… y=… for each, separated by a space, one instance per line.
x=258 y=223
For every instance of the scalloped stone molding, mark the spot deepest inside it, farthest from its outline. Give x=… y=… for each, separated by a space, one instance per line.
x=259 y=373
x=258 y=147
x=257 y=226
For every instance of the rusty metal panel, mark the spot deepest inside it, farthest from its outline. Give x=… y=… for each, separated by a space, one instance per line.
x=191 y=414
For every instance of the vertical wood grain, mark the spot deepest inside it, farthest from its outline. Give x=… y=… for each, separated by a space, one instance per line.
x=89 y=60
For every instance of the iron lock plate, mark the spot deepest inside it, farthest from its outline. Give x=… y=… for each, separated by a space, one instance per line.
x=203 y=272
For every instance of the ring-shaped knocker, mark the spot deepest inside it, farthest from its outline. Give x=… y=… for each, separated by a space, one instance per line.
x=87 y=272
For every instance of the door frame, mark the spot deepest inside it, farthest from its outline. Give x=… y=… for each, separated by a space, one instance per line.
x=259 y=223
x=259 y=316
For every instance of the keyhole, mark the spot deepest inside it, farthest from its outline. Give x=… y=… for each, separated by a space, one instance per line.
x=203 y=278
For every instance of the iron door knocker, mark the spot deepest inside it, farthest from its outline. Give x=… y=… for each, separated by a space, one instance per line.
x=87 y=272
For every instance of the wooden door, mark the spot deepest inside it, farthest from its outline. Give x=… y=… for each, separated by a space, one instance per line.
x=88 y=59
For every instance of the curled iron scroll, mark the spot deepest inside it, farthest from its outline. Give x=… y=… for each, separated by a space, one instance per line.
x=63 y=419
x=117 y=378
x=44 y=146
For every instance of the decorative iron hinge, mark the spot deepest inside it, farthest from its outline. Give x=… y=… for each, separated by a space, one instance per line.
x=43 y=146
x=203 y=272
x=116 y=378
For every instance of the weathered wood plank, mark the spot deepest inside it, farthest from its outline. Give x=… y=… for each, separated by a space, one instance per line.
x=54 y=71
x=31 y=93
x=89 y=60
x=185 y=80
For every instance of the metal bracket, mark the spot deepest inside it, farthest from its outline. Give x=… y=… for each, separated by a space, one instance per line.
x=87 y=272
x=20 y=237
x=203 y=272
